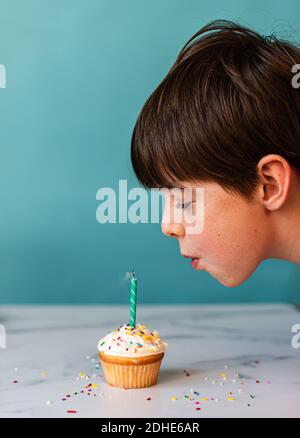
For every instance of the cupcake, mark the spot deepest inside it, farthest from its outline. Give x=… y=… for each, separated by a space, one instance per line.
x=131 y=357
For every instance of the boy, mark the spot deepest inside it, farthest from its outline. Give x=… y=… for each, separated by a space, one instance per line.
x=227 y=118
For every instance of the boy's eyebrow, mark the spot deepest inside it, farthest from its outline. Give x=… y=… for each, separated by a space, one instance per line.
x=173 y=187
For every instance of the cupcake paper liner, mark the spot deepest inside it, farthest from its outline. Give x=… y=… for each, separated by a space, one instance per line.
x=131 y=372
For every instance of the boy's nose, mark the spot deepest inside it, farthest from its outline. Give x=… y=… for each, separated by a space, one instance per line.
x=172 y=230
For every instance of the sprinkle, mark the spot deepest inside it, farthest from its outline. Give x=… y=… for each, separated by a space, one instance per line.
x=197 y=403
x=72 y=411
x=230 y=398
x=252 y=396
x=198 y=409
x=173 y=398
x=257 y=381
x=102 y=343
x=81 y=374
x=149 y=398
x=205 y=399
x=15 y=381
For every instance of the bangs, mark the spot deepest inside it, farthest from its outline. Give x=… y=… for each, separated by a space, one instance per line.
x=162 y=152
x=175 y=138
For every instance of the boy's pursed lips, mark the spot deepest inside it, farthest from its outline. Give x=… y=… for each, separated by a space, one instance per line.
x=195 y=261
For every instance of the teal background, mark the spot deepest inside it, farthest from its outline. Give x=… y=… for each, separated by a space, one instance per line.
x=77 y=75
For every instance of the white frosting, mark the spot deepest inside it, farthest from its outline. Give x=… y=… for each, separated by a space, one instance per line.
x=128 y=342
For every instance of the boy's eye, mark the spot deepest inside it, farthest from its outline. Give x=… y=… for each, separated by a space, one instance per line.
x=184 y=205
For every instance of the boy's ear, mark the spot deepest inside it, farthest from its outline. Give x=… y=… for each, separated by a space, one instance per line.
x=274 y=174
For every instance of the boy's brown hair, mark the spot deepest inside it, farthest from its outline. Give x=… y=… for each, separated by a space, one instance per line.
x=227 y=101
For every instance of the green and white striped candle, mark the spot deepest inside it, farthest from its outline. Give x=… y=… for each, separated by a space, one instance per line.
x=133 y=296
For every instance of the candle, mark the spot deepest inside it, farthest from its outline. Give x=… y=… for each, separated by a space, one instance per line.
x=133 y=294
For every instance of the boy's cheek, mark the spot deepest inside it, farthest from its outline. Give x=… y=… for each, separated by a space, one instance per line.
x=220 y=251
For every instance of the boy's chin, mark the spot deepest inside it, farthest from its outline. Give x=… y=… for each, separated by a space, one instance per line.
x=232 y=280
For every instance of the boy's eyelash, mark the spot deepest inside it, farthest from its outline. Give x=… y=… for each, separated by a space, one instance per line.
x=184 y=205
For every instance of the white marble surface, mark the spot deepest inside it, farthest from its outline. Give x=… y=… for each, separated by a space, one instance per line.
x=47 y=347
